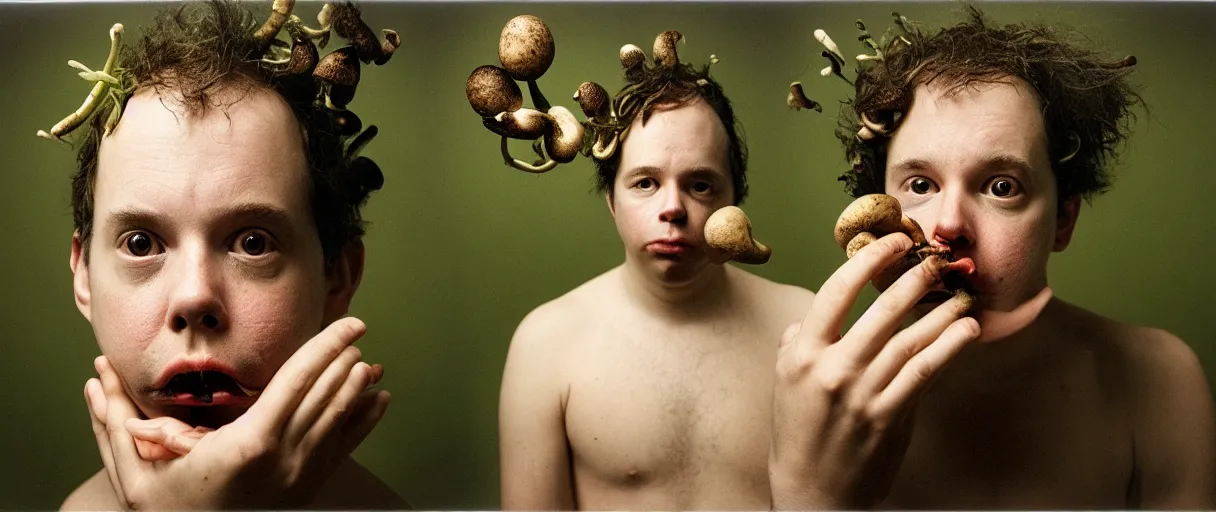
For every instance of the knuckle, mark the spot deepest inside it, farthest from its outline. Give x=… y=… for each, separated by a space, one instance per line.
x=834 y=381
x=921 y=371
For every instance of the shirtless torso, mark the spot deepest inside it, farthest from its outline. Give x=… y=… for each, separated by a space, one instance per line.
x=609 y=402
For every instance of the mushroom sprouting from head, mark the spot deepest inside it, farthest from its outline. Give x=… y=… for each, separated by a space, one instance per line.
x=526 y=48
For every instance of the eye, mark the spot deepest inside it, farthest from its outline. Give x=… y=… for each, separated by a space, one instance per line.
x=253 y=243
x=701 y=187
x=140 y=244
x=921 y=186
x=644 y=184
x=1004 y=187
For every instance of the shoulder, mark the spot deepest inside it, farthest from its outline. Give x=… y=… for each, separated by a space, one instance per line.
x=96 y=493
x=773 y=299
x=354 y=487
x=555 y=321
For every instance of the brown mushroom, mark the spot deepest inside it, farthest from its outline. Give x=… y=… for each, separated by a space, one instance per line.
x=491 y=90
x=592 y=98
x=874 y=216
x=523 y=123
x=566 y=139
x=797 y=100
x=728 y=232
x=526 y=47
x=340 y=71
x=632 y=56
x=265 y=35
x=664 y=52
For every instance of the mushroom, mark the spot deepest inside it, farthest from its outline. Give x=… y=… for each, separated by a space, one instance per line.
x=592 y=98
x=728 y=232
x=103 y=81
x=873 y=216
x=340 y=71
x=491 y=90
x=664 y=52
x=525 y=47
x=523 y=123
x=347 y=22
x=566 y=139
x=797 y=100
x=348 y=123
x=632 y=57
x=280 y=11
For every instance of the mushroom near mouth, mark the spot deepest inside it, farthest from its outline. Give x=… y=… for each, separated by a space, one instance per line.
x=526 y=48
x=873 y=216
x=728 y=232
x=491 y=90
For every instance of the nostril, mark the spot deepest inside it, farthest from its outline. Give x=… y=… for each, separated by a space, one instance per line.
x=179 y=323
x=210 y=321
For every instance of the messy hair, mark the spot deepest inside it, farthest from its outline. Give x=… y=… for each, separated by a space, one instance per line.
x=195 y=52
x=673 y=86
x=1084 y=97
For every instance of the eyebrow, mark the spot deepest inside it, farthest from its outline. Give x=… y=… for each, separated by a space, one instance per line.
x=130 y=218
x=997 y=161
x=695 y=172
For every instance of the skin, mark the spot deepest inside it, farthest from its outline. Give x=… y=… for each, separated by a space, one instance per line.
x=204 y=190
x=648 y=386
x=1073 y=411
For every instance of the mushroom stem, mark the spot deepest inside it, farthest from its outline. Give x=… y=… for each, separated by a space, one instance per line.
x=524 y=166
x=603 y=152
x=538 y=98
x=75 y=119
x=280 y=11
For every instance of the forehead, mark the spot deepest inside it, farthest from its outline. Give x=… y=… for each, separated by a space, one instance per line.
x=677 y=138
x=955 y=129
x=247 y=149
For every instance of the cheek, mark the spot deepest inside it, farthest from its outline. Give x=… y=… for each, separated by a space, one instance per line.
x=126 y=321
x=1015 y=252
x=271 y=321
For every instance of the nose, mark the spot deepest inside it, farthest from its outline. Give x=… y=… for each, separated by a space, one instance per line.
x=195 y=294
x=672 y=208
x=952 y=222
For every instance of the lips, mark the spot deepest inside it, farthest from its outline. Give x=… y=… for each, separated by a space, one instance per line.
x=201 y=382
x=669 y=246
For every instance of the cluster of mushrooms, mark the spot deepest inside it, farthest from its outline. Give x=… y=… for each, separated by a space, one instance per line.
x=526 y=50
x=337 y=72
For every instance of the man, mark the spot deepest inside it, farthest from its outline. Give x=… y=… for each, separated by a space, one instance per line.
x=649 y=387
x=989 y=137
x=217 y=248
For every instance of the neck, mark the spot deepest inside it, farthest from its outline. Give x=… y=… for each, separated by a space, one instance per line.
x=1006 y=350
x=705 y=293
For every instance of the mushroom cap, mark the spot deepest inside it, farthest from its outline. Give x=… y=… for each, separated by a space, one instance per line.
x=729 y=230
x=632 y=56
x=593 y=100
x=664 y=51
x=526 y=48
x=523 y=123
x=879 y=214
x=491 y=90
x=339 y=67
x=564 y=143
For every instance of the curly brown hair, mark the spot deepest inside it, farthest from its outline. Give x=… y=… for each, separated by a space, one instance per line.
x=1085 y=98
x=650 y=87
x=199 y=49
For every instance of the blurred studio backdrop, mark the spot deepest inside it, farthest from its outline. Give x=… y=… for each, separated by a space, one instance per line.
x=461 y=247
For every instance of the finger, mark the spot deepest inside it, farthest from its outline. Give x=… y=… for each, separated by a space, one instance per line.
x=339 y=408
x=293 y=380
x=836 y=297
x=880 y=321
x=373 y=403
x=377 y=373
x=170 y=436
x=94 y=395
x=321 y=394
x=119 y=408
x=909 y=342
x=927 y=365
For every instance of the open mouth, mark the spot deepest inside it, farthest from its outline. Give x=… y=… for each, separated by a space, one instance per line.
x=204 y=388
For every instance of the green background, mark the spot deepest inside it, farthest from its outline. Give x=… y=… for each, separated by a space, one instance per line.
x=461 y=247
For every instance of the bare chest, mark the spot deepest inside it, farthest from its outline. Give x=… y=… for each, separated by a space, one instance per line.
x=1051 y=443
x=684 y=417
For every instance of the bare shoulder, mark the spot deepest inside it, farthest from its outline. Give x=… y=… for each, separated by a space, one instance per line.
x=354 y=487
x=553 y=322
x=784 y=301
x=96 y=493
x=1158 y=381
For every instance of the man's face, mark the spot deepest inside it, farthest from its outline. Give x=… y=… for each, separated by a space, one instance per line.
x=674 y=174
x=972 y=168
x=204 y=255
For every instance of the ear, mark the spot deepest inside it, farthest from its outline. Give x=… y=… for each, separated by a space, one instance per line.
x=1066 y=221
x=611 y=205
x=342 y=280
x=80 y=278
